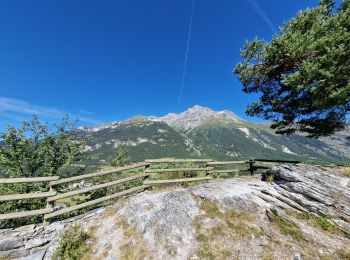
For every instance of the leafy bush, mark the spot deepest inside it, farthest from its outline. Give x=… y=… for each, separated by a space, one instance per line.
x=73 y=244
x=35 y=149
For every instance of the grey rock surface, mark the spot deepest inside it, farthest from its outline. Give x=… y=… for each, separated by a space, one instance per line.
x=10 y=243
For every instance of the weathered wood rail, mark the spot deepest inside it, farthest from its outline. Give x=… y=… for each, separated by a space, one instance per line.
x=30 y=213
x=203 y=170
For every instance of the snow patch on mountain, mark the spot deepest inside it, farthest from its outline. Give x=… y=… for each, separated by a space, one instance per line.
x=285 y=149
x=95 y=128
x=138 y=141
x=191 y=146
x=244 y=130
x=262 y=143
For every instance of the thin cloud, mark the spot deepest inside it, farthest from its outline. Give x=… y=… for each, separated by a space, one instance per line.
x=11 y=105
x=85 y=112
x=262 y=14
x=16 y=109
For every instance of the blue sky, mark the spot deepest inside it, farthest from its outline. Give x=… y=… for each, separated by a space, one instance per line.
x=105 y=61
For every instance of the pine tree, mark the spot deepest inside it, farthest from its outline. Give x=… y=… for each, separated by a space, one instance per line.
x=303 y=73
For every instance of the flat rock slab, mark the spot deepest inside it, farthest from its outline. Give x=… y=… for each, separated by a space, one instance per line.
x=10 y=243
x=164 y=219
x=237 y=194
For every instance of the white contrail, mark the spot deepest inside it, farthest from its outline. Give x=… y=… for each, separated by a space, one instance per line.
x=262 y=14
x=186 y=56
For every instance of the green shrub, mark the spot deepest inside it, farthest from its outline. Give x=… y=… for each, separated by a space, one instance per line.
x=35 y=149
x=73 y=244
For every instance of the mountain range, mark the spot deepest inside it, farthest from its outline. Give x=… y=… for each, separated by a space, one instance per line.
x=200 y=132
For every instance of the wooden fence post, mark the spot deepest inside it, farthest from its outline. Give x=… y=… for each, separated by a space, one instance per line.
x=144 y=171
x=251 y=167
x=206 y=171
x=49 y=205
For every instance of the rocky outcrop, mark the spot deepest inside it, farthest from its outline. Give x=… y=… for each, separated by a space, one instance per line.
x=300 y=211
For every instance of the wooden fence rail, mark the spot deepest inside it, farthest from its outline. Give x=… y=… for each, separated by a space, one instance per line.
x=28 y=180
x=94 y=202
x=36 y=195
x=53 y=196
x=98 y=174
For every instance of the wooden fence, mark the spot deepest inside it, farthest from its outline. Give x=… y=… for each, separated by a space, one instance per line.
x=23 y=214
x=146 y=169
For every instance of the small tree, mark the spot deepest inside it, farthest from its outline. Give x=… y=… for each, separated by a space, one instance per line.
x=120 y=158
x=35 y=149
x=303 y=73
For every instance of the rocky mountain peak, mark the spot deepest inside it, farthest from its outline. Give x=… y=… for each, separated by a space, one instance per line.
x=197 y=115
x=189 y=119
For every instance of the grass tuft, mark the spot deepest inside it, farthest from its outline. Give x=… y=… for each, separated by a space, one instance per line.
x=230 y=226
x=323 y=223
x=343 y=254
x=346 y=172
x=327 y=224
x=226 y=253
x=266 y=254
x=237 y=221
x=73 y=244
x=133 y=246
x=211 y=209
x=287 y=227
